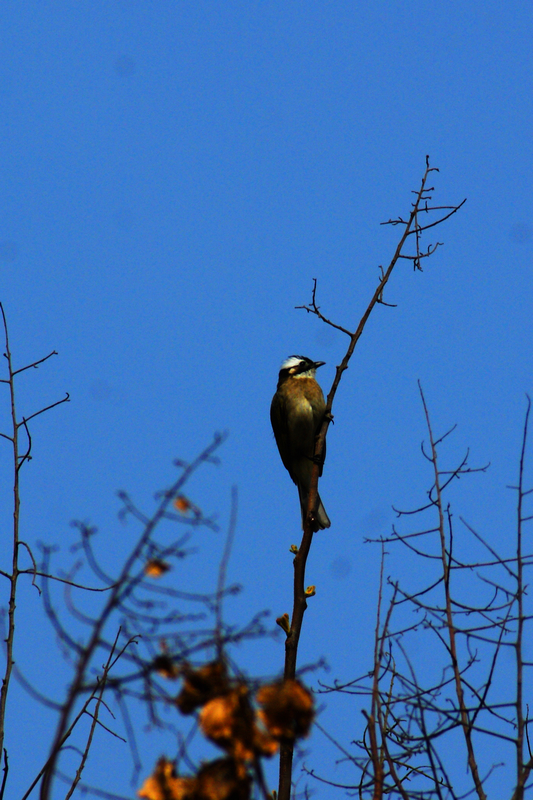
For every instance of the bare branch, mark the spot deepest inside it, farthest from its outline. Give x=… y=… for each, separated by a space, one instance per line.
x=35 y=364
x=25 y=420
x=411 y=226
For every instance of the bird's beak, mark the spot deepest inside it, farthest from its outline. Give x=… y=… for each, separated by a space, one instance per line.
x=319 y=364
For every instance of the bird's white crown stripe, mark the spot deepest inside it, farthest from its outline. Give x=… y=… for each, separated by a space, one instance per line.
x=292 y=361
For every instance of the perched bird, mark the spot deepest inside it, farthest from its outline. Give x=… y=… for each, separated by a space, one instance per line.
x=296 y=413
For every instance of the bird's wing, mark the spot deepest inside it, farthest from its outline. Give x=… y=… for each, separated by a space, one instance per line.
x=318 y=424
x=278 y=418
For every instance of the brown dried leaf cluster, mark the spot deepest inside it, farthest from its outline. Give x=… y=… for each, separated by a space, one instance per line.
x=164 y=784
x=201 y=685
x=216 y=780
x=228 y=717
x=231 y=723
x=287 y=709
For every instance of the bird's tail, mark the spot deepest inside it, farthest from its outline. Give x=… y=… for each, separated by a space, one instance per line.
x=322 y=520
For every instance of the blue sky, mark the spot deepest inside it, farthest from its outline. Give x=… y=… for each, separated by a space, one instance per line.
x=173 y=176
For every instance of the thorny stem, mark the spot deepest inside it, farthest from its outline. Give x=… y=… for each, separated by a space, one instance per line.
x=450 y=625
x=300 y=560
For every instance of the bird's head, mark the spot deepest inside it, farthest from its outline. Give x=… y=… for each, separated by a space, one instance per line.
x=299 y=367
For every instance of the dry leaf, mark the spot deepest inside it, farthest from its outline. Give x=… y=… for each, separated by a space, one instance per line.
x=201 y=685
x=287 y=709
x=222 y=780
x=164 y=784
x=231 y=723
x=155 y=568
x=182 y=504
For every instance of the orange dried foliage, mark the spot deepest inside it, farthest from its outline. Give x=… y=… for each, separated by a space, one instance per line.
x=287 y=709
x=216 y=780
x=220 y=717
x=220 y=780
x=155 y=568
x=201 y=685
x=182 y=504
x=164 y=784
x=230 y=722
x=186 y=506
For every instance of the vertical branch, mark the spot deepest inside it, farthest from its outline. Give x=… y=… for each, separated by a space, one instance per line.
x=222 y=572
x=18 y=460
x=381 y=709
x=4 y=779
x=13 y=578
x=410 y=226
x=450 y=625
x=372 y=720
x=291 y=643
x=521 y=771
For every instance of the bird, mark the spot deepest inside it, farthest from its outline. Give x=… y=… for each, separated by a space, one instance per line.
x=296 y=413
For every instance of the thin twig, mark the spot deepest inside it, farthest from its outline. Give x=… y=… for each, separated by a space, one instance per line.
x=122 y=588
x=465 y=722
x=222 y=571
x=5 y=771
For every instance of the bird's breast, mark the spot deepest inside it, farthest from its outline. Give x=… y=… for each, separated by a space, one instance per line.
x=300 y=406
